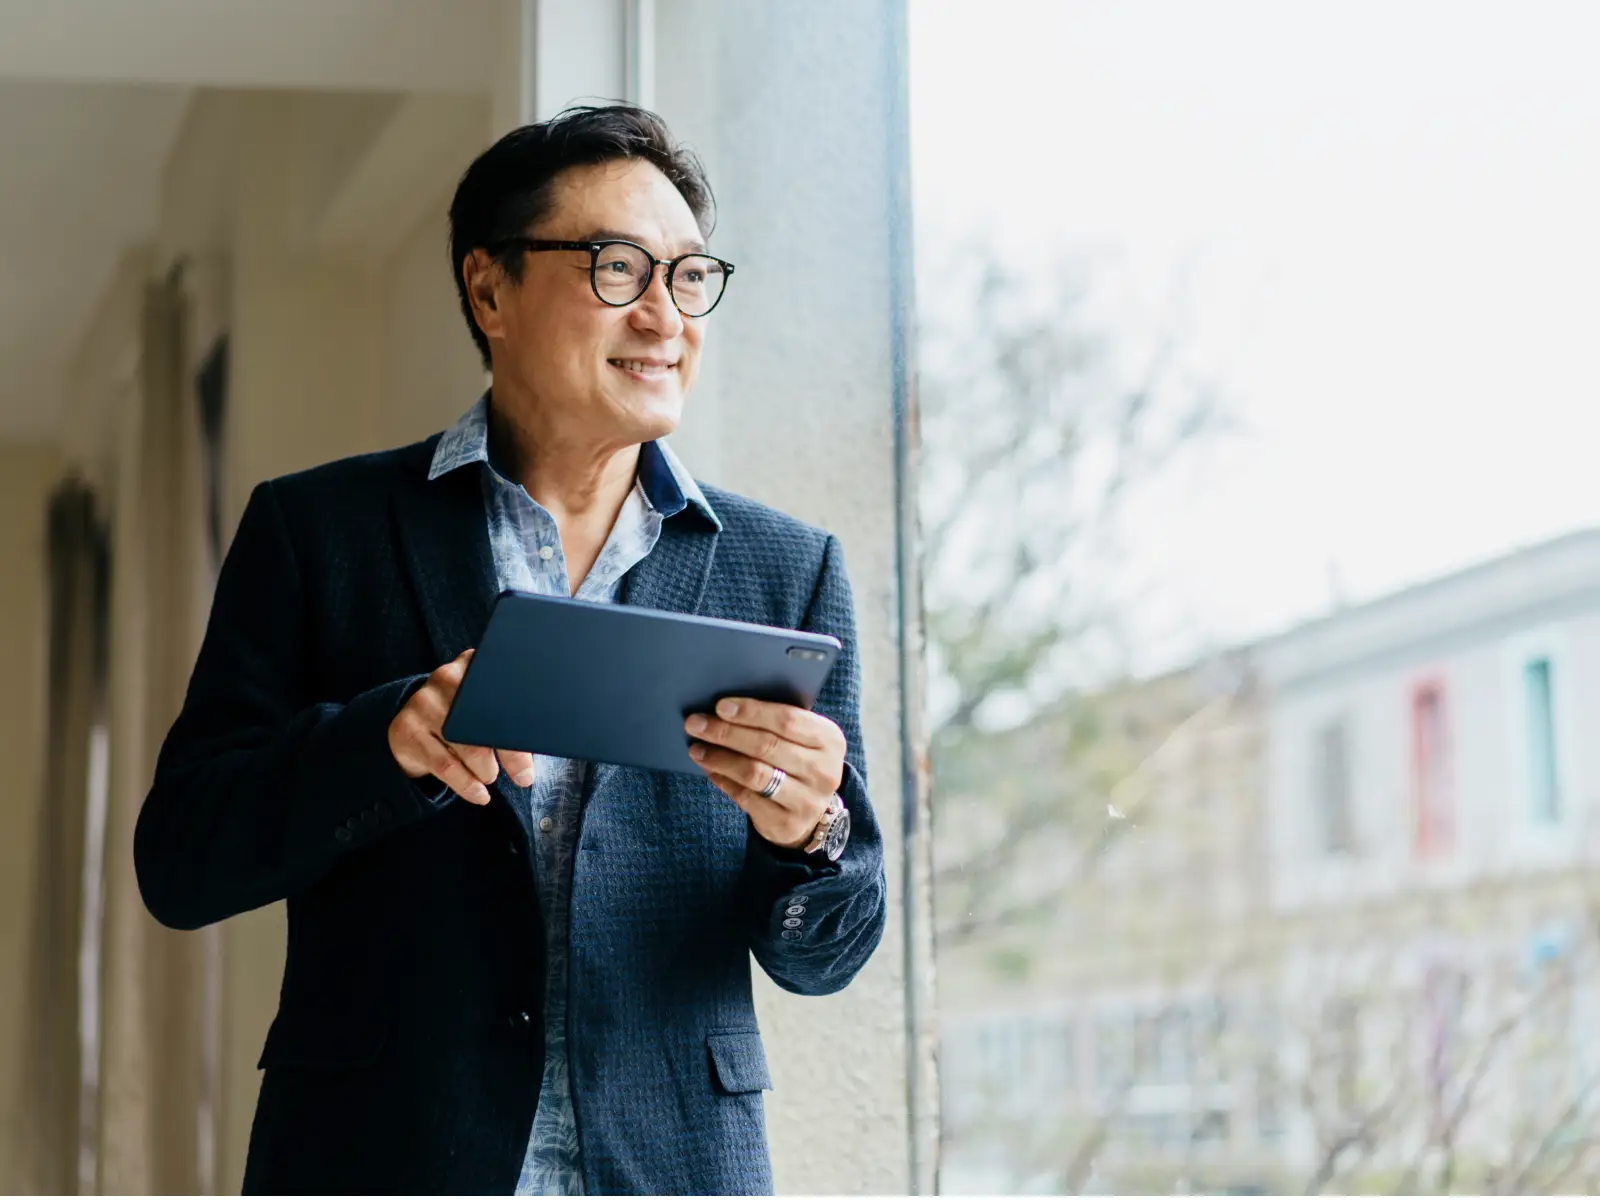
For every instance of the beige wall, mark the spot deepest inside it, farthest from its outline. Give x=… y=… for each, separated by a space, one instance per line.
x=27 y=474
x=431 y=370
x=306 y=328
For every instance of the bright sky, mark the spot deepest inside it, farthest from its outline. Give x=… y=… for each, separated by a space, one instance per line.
x=1392 y=216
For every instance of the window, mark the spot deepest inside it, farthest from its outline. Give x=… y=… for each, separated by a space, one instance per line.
x=1271 y=1089
x=1059 y=1052
x=1544 y=789
x=1046 y=1066
x=1270 y=1100
x=1113 y=1055
x=1430 y=766
x=1343 y=1023
x=1212 y=1127
x=1174 y=1057
x=1330 y=784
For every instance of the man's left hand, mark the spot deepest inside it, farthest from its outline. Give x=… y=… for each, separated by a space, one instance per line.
x=741 y=745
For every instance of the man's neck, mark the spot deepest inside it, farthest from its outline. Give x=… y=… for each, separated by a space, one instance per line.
x=582 y=483
x=567 y=474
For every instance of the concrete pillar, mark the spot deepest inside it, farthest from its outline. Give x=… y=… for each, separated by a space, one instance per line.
x=798 y=110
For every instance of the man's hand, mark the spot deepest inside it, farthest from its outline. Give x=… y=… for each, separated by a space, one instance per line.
x=739 y=747
x=419 y=747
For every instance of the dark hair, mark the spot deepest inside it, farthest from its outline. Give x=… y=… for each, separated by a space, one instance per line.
x=506 y=190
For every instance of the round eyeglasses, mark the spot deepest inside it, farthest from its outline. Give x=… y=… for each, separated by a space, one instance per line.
x=620 y=272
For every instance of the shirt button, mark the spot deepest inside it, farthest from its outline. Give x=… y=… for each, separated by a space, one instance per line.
x=547 y=553
x=791 y=935
x=800 y=900
x=546 y=824
x=791 y=922
x=795 y=910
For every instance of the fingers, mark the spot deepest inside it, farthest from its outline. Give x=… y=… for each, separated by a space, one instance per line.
x=447 y=679
x=792 y=724
x=416 y=741
x=751 y=773
x=727 y=743
x=518 y=765
x=451 y=771
x=781 y=825
x=480 y=760
x=817 y=762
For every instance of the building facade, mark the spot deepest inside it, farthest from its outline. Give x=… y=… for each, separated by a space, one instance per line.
x=1349 y=942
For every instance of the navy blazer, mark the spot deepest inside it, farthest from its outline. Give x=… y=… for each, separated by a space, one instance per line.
x=407 y=1049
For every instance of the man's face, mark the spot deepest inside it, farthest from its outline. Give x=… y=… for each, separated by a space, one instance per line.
x=612 y=374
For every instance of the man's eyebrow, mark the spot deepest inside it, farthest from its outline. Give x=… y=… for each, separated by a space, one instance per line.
x=693 y=246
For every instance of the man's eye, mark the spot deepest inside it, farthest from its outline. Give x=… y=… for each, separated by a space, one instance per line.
x=618 y=266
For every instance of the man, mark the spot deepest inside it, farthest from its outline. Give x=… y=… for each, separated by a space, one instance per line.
x=506 y=972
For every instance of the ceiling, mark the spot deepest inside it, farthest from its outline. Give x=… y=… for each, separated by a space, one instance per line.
x=87 y=124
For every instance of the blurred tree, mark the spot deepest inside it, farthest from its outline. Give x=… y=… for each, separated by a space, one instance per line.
x=1039 y=425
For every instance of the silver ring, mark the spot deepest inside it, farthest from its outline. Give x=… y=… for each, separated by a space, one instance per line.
x=773 y=784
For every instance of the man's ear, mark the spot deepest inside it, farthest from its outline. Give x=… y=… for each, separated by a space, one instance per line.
x=482 y=276
x=480 y=273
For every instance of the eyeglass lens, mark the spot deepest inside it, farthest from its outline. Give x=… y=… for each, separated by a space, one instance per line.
x=622 y=273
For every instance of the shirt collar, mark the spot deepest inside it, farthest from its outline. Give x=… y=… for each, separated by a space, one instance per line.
x=667 y=485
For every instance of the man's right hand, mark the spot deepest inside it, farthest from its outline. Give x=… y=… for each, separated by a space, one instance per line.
x=418 y=745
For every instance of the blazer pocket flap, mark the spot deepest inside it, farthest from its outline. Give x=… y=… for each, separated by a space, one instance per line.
x=738 y=1062
x=322 y=1043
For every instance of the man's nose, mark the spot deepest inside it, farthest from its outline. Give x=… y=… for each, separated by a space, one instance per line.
x=654 y=311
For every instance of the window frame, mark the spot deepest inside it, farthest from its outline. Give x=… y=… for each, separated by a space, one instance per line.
x=1336 y=839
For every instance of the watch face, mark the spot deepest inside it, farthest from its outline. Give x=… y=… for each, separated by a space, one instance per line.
x=838 y=835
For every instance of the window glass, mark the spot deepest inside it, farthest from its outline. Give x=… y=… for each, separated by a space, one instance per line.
x=1543 y=786
x=1253 y=342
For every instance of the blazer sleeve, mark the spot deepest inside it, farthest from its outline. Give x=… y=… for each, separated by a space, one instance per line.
x=814 y=925
x=258 y=791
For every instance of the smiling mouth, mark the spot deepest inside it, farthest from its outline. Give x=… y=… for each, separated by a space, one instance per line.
x=646 y=367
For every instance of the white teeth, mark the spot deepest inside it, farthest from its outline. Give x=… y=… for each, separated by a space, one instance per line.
x=643 y=368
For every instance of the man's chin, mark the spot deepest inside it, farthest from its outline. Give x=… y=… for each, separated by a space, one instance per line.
x=656 y=420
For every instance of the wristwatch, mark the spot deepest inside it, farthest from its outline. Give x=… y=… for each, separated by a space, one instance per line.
x=832 y=832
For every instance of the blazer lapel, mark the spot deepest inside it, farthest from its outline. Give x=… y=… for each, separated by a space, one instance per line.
x=444 y=536
x=444 y=533
x=674 y=575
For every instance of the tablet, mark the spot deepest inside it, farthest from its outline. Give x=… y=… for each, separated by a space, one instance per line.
x=610 y=683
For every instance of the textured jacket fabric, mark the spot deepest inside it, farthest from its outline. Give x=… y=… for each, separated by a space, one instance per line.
x=406 y=1053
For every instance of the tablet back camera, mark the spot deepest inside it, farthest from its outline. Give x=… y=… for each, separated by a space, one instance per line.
x=806 y=652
